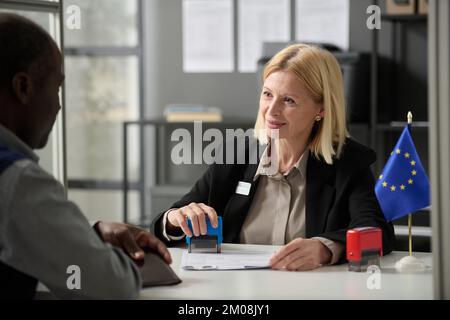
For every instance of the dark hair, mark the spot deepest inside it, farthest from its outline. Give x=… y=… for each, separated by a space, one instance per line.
x=24 y=47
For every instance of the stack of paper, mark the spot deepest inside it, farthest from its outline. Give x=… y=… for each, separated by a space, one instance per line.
x=226 y=260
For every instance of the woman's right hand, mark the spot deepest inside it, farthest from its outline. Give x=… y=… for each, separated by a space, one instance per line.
x=197 y=213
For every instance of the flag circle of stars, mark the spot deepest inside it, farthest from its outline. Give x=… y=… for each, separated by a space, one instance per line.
x=412 y=172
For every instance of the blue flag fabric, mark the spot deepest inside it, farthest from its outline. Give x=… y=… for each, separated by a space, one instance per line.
x=403 y=186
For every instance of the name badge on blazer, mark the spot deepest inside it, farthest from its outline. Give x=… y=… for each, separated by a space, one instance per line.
x=243 y=188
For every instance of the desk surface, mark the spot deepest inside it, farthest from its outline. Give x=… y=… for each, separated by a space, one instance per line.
x=330 y=282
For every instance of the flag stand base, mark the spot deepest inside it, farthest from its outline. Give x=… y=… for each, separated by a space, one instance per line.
x=410 y=264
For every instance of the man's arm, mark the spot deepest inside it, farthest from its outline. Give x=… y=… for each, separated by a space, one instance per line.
x=45 y=234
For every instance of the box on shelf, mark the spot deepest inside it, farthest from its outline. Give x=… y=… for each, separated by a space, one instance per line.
x=423 y=7
x=394 y=7
x=188 y=113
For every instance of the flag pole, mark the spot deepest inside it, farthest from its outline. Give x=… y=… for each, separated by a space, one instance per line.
x=410 y=263
x=410 y=235
x=409 y=118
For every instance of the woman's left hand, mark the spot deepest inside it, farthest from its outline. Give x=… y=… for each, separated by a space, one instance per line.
x=300 y=255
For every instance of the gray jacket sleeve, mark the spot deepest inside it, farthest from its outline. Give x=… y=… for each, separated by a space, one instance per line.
x=43 y=234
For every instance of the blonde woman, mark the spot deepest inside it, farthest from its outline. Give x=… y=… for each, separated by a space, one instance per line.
x=323 y=185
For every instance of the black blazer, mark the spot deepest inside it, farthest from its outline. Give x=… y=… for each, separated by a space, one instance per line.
x=338 y=197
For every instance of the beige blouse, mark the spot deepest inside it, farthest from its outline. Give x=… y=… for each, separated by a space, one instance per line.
x=277 y=213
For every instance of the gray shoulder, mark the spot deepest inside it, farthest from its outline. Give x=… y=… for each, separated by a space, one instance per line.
x=26 y=177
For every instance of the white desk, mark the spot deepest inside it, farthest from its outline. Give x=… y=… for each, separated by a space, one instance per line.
x=332 y=282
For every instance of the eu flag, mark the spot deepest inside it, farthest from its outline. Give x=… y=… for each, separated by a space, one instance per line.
x=403 y=187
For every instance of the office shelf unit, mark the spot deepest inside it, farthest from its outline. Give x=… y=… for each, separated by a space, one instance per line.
x=385 y=128
x=387 y=123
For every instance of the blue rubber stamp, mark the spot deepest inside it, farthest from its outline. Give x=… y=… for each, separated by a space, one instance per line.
x=210 y=242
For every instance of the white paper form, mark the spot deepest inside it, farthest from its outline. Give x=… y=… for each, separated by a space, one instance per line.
x=260 y=21
x=208 y=36
x=323 y=21
x=234 y=260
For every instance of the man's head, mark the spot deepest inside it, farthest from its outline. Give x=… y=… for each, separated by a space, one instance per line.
x=30 y=78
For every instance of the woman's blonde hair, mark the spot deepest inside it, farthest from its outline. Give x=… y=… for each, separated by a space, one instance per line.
x=321 y=75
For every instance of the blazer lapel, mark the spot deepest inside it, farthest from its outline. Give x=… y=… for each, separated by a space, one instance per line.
x=319 y=195
x=238 y=206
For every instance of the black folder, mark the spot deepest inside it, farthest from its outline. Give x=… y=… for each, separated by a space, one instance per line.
x=156 y=272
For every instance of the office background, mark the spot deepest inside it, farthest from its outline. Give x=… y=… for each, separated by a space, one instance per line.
x=126 y=63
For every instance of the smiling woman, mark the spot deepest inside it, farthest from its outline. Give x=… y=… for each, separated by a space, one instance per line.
x=310 y=80
x=323 y=184
x=292 y=119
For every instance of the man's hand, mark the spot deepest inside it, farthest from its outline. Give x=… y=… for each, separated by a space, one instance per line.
x=131 y=239
x=300 y=255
